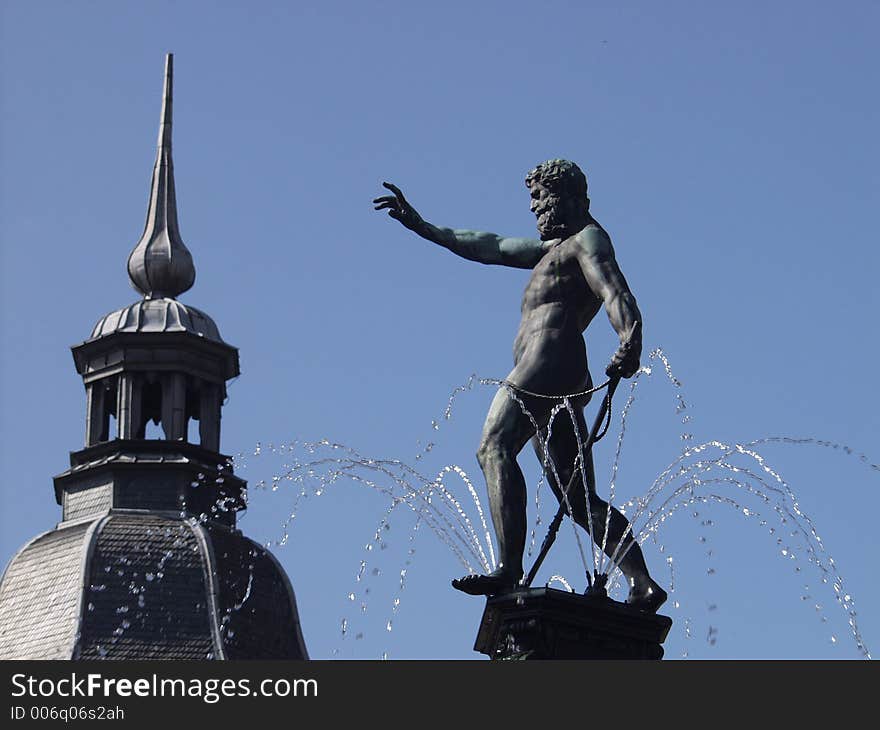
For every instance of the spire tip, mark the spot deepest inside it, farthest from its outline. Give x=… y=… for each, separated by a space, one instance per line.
x=160 y=264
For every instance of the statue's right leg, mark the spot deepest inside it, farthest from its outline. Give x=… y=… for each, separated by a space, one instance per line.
x=571 y=482
x=505 y=433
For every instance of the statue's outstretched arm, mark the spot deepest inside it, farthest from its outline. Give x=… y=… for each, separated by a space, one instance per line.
x=486 y=248
x=596 y=257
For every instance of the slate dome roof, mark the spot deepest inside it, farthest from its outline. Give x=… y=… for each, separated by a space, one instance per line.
x=146 y=586
x=158 y=315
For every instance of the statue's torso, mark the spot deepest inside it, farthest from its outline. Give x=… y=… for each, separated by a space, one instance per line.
x=558 y=303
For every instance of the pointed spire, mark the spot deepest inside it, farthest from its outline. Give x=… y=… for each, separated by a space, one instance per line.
x=160 y=264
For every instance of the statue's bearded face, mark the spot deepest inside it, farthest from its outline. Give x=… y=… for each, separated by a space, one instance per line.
x=551 y=211
x=559 y=198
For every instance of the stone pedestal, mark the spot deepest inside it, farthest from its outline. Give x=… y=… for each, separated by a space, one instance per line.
x=545 y=623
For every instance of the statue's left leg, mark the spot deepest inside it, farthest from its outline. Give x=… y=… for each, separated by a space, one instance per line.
x=506 y=431
x=608 y=527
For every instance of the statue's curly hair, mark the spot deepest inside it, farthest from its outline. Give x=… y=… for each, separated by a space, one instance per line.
x=560 y=176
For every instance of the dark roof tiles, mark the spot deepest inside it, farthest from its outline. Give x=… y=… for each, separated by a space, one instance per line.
x=143 y=585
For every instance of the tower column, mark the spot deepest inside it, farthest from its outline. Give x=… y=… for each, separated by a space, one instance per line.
x=174 y=406
x=128 y=409
x=209 y=417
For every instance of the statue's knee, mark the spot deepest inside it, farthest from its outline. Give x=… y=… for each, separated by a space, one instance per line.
x=491 y=450
x=483 y=451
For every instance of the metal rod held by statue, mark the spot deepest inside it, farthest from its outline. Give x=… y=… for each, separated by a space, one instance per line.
x=560 y=513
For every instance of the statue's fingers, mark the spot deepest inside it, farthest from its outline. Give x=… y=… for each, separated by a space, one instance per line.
x=384 y=198
x=394 y=189
x=385 y=204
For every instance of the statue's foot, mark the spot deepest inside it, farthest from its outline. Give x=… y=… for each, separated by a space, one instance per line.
x=486 y=585
x=646 y=596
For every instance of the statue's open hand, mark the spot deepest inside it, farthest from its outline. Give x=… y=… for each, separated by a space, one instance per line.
x=624 y=364
x=398 y=208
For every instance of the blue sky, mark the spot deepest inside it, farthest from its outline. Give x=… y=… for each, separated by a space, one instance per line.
x=731 y=154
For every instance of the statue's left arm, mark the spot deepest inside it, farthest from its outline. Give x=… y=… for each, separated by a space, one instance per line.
x=604 y=277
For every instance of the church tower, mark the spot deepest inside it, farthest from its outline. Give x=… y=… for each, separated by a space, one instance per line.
x=146 y=562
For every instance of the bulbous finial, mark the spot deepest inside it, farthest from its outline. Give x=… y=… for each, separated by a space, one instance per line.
x=160 y=265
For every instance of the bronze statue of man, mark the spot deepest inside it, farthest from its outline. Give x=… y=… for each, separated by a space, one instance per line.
x=574 y=273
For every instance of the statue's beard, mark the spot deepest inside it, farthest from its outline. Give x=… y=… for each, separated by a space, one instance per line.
x=552 y=224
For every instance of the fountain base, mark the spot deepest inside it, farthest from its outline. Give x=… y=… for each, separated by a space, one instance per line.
x=545 y=623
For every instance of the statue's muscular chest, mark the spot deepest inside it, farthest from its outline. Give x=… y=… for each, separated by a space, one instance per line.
x=558 y=279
